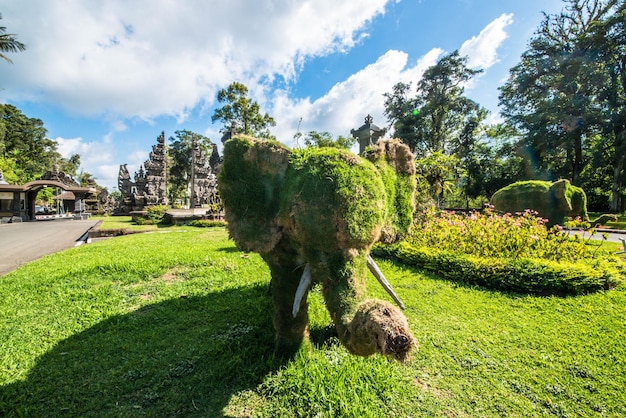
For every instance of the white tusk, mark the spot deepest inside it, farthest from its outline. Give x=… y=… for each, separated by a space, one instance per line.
x=305 y=282
x=381 y=279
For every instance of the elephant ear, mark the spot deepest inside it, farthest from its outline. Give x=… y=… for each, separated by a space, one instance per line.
x=562 y=196
x=579 y=203
x=394 y=160
x=249 y=184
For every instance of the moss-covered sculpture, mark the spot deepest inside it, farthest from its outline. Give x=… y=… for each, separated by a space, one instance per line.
x=313 y=215
x=555 y=201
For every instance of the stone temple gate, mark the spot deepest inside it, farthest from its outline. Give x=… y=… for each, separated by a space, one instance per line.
x=17 y=202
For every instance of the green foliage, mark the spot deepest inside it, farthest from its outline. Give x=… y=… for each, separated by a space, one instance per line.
x=488 y=234
x=8 y=166
x=446 y=119
x=516 y=253
x=242 y=113
x=522 y=275
x=155 y=215
x=325 y=139
x=325 y=191
x=25 y=142
x=250 y=183
x=570 y=89
x=179 y=154
x=328 y=184
x=398 y=176
x=25 y=152
x=9 y=43
x=182 y=326
x=440 y=171
x=205 y=223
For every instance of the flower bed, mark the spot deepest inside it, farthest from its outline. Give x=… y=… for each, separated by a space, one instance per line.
x=514 y=252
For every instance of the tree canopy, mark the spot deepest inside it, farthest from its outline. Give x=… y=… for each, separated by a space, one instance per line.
x=317 y=139
x=242 y=113
x=439 y=117
x=568 y=88
x=441 y=125
x=25 y=151
x=9 y=43
x=180 y=159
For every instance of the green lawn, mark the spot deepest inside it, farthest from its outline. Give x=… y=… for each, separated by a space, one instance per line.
x=177 y=322
x=122 y=222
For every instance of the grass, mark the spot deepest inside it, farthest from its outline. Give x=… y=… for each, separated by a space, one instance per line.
x=121 y=222
x=178 y=323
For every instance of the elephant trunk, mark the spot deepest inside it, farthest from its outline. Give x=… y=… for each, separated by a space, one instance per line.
x=364 y=326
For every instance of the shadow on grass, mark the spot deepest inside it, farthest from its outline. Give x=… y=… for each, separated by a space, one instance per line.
x=181 y=357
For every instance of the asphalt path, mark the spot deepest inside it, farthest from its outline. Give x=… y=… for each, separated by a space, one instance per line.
x=616 y=236
x=28 y=241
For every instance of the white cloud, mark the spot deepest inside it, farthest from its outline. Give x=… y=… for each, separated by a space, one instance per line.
x=148 y=58
x=482 y=49
x=347 y=103
x=95 y=156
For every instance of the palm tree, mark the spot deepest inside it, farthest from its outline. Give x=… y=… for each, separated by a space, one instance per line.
x=8 y=43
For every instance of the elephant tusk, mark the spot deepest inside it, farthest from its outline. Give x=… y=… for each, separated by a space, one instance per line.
x=305 y=282
x=381 y=279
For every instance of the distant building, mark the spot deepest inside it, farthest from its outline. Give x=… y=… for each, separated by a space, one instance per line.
x=17 y=202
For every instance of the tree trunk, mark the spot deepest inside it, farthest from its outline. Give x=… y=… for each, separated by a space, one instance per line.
x=616 y=190
x=578 y=158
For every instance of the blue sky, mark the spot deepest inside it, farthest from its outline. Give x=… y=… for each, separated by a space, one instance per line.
x=108 y=76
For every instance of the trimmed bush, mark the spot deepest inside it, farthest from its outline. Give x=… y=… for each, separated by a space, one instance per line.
x=553 y=201
x=205 y=223
x=523 y=275
x=154 y=215
x=506 y=252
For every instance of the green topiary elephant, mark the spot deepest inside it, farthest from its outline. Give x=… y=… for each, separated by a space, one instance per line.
x=555 y=201
x=313 y=215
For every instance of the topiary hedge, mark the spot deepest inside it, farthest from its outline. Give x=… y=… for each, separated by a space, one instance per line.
x=206 y=223
x=523 y=275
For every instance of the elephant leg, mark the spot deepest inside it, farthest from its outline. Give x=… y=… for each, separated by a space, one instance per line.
x=286 y=270
x=364 y=326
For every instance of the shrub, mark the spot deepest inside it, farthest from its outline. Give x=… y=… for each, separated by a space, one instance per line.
x=509 y=252
x=488 y=234
x=523 y=275
x=205 y=223
x=154 y=215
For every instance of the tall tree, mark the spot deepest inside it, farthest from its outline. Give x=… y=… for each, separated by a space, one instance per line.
x=439 y=118
x=180 y=160
x=23 y=141
x=9 y=43
x=241 y=113
x=551 y=96
x=608 y=44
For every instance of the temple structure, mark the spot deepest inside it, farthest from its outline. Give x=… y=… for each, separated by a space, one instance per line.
x=148 y=187
x=368 y=134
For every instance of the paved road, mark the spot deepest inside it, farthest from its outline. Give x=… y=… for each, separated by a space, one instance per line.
x=28 y=241
x=611 y=236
